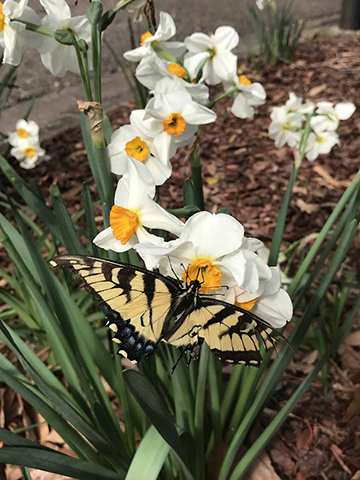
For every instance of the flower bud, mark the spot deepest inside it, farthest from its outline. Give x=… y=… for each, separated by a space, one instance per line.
x=94 y=12
x=65 y=37
x=106 y=20
x=84 y=47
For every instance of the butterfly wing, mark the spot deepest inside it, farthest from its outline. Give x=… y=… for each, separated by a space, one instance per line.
x=233 y=334
x=138 y=301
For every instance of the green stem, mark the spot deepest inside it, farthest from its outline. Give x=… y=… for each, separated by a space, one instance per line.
x=36 y=28
x=87 y=73
x=221 y=97
x=122 y=5
x=279 y=229
x=82 y=72
x=197 y=177
x=324 y=232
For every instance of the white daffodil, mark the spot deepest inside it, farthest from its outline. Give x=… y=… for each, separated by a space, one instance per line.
x=28 y=153
x=56 y=57
x=153 y=152
x=161 y=76
x=269 y=301
x=164 y=32
x=13 y=36
x=264 y=253
x=178 y=115
x=134 y=211
x=327 y=116
x=24 y=131
x=214 y=243
x=247 y=96
x=295 y=105
x=319 y=143
x=285 y=127
x=212 y=54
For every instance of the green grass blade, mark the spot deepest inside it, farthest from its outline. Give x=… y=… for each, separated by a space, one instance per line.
x=90 y=220
x=150 y=457
x=55 y=462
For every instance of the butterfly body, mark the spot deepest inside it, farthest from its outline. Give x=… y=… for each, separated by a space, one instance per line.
x=144 y=308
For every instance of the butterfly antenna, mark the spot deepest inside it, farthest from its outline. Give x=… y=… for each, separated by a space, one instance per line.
x=182 y=353
x=173 y=271
x=186 y=272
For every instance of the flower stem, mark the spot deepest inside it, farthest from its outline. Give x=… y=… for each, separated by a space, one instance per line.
x=122 y=5
x=221 y=97
x=85 y=79
x=36 y=28
x=197 y=177
x=279 y=229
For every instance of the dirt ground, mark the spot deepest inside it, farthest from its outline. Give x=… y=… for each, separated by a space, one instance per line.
x=244 y=172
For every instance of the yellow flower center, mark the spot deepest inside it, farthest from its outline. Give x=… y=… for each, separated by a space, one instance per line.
x=320 y=139
x=70 y=30
x=243 y=80
x=203 y=270
x=123 y=222
x=177 y=70
x=30 y=151
x=246 y=305
x=23 y=133
x=144 y=37
x=212 y=52
x=175 y=124
x=137 y=149
x=286 y=126
x=2 y=18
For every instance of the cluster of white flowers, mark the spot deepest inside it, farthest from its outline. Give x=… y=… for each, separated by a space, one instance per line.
x=231 y=264
x=287 y=124
x=14 y=37
x=26 y=146
x=190 y=65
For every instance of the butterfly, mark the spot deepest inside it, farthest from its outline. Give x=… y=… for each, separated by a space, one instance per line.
x=145 y=307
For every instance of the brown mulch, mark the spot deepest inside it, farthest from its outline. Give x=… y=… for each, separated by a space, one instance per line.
x=244 y=172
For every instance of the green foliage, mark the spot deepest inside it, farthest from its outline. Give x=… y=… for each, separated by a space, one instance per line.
x=277 y=33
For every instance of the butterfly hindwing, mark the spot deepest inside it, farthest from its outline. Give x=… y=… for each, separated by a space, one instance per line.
x=233 y=334
x=138 y=301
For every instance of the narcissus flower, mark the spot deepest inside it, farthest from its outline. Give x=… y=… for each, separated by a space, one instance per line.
x=56 y=57
x=24 y=131
x=247 y=96
x=285 y=127
x=319 y=143
x=216 y=244
x=132 y=140
x=135 y=211
x=161 y=76
x=328 y=116
x=13 y=36
x=28 y=153
x=164 y=32
x=178 y=115
x=212 y=54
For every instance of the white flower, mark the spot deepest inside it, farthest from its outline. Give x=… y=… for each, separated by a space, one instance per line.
x=212 y=54
x=328 y=116
x=247 y=96
x=134 y=210
x=28 y=153
x=295 y=105
x=285 y=127
x=270 y=302
x=154 y=152
x=178 y=115
x=162 y=76
x=263 y=253
x=214 y=242
x=56 y=57
x=319 y=143
x=24 y=131
x=164 y=32
x=260 y=4
x=13 y=36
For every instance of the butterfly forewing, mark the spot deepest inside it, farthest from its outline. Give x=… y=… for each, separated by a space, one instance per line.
x=138 y=301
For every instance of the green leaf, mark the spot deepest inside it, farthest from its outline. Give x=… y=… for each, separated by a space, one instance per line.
x=189 y=195
x=35 y=202
x=149 y=457
x=52 y=461
x=90 y=219
x=71 y=240
x=152 y=404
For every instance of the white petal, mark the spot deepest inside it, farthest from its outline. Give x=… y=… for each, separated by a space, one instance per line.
x=141 y=184
x=275 y=309
x=197 y=114
x=240 y=108
x=213 y=235
x=154 y=216
x=193 y=62
x=198 y=42
x=226 y=38
x=107 y=241
x=58 y=8
x=344 y=110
